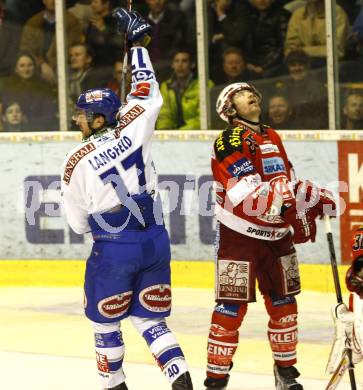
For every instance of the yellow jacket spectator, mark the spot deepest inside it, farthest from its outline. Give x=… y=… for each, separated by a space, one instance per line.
x=181 y=96
x=306 y=30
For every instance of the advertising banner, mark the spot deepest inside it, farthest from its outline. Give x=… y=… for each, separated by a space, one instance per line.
x=351 y=173
x=32 y=226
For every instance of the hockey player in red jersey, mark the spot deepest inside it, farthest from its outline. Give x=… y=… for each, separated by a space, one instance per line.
x=258 y=205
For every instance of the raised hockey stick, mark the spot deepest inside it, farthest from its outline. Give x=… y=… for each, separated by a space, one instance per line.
x=125 y=61
x=346 y=361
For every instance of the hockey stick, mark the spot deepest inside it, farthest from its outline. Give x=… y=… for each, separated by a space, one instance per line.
x=125 y=61
x=339 y=372
x=346 y=361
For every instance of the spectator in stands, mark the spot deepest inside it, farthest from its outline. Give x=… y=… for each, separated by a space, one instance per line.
x=82 y=10
x=36 y=98
x=10 y=32
x=293 y=5
x=181 y=95
x=306 y=31
x=306 y=92
x=115 y=82
x=351 y=69
x=38 y=38
x=14 y=119
x=229 y=24
x=267 y=31
x=101 y=35
x=356 y=37
x=351 y=8
x=235 y=68
x=353 y=111
x=23 y=10
x=280 y=114
x=82 y=74
x=169 y=31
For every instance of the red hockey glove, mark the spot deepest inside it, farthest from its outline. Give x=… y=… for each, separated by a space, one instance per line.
x=315 y=200
x=303 y=224
x=354 y=277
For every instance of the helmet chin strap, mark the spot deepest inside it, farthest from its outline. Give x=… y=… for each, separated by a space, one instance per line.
x=238 y=117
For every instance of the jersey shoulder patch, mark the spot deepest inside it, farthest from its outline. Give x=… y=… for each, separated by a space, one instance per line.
x=128 y=117
x=229 y=141
x=75 y=158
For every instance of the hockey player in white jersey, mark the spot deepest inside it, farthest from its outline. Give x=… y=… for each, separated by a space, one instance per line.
x=109 y=189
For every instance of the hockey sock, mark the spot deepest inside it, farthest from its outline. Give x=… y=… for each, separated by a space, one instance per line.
x=223 y=338
x=163 y=346
x=282 y=329
x=110 y=350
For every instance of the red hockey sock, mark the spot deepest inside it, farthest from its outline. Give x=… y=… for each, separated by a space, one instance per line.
x=223 y=338
x=282 y=330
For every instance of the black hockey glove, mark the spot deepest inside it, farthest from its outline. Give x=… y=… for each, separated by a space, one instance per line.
x=138 y=30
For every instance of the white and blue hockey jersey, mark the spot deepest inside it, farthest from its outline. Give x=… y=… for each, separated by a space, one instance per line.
x=119 y=156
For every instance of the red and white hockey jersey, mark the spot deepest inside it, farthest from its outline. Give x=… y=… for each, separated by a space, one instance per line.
x=244 y=164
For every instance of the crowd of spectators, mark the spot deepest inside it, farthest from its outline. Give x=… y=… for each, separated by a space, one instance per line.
x=277 y=45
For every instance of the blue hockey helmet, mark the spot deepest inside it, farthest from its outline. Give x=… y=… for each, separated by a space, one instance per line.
x=99 y=101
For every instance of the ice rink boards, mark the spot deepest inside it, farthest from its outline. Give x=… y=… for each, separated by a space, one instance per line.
x=47 y=344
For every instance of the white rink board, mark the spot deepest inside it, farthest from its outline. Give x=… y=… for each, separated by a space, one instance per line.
x=192 y=237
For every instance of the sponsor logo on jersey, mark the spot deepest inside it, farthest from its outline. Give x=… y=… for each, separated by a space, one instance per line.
x=283 y=301
x=102 y=138
x=234 y=138
x=273 y=165
x=241 y=168
x=153 y=333
x=269 y=148
x=290 y=272
x=272 y=234
x=251 y=143
x=102 y=362
x=233 y=279
x=218 y=350
x=116 y=305
x=75 y=159
x=283 y=338
x=156 y=298
x=128 y=118
x=288 y=318
x=227 y=309
x=219 y=143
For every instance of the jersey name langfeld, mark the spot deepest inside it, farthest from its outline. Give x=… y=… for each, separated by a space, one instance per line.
x=110 y=154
